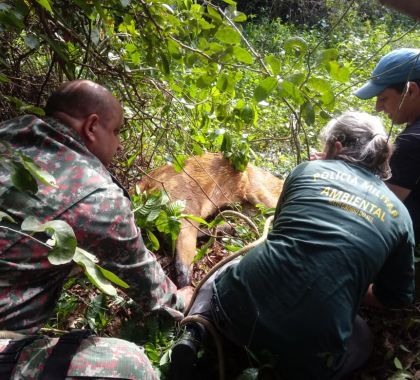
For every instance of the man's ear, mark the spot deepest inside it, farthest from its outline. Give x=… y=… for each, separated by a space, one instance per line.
x=89 y=128
x=333 y=150
x=413 y=88
x=338 y=147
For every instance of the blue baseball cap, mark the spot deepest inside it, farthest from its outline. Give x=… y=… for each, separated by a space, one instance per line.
x=398 y=66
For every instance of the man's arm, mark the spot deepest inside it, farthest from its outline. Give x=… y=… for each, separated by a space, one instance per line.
x=104 y=225
x=401 y=192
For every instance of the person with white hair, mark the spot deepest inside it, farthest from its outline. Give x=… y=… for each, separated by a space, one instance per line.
x=340 y=238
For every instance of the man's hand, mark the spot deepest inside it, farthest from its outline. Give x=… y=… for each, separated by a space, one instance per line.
x=317 y=156
x=371 y=300
x=186 y=294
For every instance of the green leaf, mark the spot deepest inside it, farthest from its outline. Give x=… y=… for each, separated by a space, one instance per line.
x=398 y=364
x=328 y=100
x=164 y=64
x=339 y=72
x=153 y=214
x=205 y=81
x=153 y=239
x=230 y=2
x=63 y=239
x=29 y=108
x=174 y=50
x=46 y=4
x=296 y=46
x=319 y=84
x=226 y=143
x=265 y=87
x=195 y=219
x=179 y=162
x=289 y=91
x=113 y=278
x=36 y=171
x=4 y=78
x=249 y=374
x=214 y=14
x=93 y=273
x=232 y=248
x=3 y=215
x=327 y=55
x=22 y=179
x=228 y=35
x=175 y=208
x=308 y=113
x=239 y=17
x=297 y=79
x=165 y=359
x=248 y=114
x=11 y=20
x=222 y=83
x=274 y=63
x=243 y=55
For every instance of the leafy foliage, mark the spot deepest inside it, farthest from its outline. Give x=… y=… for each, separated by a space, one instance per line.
x=155 y=212
x=196 y=76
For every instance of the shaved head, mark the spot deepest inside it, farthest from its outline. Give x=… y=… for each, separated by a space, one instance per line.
x=80 y=98
x=93 y=112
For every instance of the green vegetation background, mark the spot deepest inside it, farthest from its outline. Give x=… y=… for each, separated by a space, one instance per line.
x=255 y=80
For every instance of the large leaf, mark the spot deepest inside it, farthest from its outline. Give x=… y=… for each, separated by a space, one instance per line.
x=296 y=46
x=46 y=4
x=308 y=113
x=327 y=55
x=63 y=239
x=195 y=219
x=113 y=278
x=214 y=14
x=243 y=55
x=339 y=72
x=289 y=91
x=175 y=208
x=93 y=272
x=320 y=85
x=265 y=88
x=275 y=64
x=228 y=35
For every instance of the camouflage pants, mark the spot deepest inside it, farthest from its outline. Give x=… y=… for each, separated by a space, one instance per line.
x=96 y=358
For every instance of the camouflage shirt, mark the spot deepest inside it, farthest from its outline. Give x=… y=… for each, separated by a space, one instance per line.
x=88 y=199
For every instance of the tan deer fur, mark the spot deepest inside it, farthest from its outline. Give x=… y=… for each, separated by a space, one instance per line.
x=209 y=183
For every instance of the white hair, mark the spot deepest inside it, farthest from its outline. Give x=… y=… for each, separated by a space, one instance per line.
x=363 y=139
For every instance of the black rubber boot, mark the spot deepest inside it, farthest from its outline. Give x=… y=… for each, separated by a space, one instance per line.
x=185 y=350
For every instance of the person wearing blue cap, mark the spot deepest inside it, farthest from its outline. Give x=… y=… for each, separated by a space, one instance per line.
x=395 y=82
x=411 y=8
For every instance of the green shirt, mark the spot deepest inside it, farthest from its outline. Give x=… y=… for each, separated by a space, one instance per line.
x=337 y=229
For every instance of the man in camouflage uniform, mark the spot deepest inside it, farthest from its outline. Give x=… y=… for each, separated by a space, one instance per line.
x=75 y=143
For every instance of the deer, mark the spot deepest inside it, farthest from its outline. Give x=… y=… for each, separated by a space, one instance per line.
x=208 y=183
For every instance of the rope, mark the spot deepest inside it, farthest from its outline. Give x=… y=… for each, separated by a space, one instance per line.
x=206 y=323
x=230 y=258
